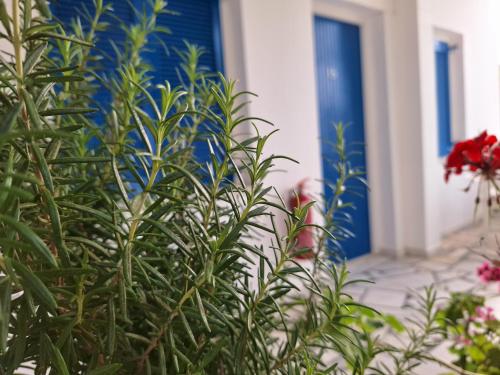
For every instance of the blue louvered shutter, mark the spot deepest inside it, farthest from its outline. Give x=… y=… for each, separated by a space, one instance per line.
x=67 y=10
x=194 y=21
x=197 y=22
x=442 y=51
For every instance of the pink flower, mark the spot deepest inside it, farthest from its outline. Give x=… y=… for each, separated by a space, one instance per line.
x=484 y=314
x=488 y=272
x=465 y=341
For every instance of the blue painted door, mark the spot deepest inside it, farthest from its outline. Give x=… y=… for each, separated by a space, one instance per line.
x=340 y=96
x=443 y=98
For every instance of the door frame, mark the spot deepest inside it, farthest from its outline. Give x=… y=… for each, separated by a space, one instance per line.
x=381 y=205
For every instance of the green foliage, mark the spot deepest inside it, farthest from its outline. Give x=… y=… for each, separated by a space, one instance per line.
x=132 y=257
x=475 y=334
x=461 y=306
x=336 y=214
x=424 y=333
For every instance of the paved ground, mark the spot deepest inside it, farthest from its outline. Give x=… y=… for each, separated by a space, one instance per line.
x=453 y=268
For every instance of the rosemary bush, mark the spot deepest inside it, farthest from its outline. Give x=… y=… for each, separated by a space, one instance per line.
x=131 y=257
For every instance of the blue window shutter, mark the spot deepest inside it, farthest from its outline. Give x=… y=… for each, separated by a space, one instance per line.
x=445 y=143
x=193 y=21
x=67 y=10
x=196 y=22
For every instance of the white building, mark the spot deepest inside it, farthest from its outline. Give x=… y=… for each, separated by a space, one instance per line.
x=269 y=46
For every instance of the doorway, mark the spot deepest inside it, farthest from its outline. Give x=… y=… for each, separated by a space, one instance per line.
x=340 y=98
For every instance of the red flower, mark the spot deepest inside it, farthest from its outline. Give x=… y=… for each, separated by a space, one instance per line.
x=479 y=154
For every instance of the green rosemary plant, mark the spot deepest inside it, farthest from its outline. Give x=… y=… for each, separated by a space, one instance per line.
x=131 y=257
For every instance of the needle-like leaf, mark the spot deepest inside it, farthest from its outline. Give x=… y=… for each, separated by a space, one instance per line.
x=33 y=284
x=41 y=249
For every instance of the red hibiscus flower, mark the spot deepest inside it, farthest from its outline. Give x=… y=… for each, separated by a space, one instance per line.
x=478 y=154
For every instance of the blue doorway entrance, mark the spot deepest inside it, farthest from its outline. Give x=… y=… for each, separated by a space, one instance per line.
x=340 y=97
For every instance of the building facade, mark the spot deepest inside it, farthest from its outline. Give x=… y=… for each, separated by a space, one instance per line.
x=270 y=46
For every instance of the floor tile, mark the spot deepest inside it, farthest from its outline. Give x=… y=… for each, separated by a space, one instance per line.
x=459 y=285
x=384 y=297
x=407 y=281
x=452 y=269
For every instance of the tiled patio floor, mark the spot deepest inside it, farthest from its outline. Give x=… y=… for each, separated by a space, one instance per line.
x=453 y=268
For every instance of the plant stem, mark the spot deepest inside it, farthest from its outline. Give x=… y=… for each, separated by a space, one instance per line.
x=303 y=344
x=16 y=41
x=450 y=366
x=155 y=342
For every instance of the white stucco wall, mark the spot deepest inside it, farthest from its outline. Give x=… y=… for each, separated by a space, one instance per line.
x=278 y=66
x=447 y=208
x=4 y=45
x=404 y=122
x=269 y=46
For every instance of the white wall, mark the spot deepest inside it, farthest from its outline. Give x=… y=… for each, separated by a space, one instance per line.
x=405 y=119
x=276 y=42
x=281 y=71
x=4 y=45
x=269 y=45
x=447 y=208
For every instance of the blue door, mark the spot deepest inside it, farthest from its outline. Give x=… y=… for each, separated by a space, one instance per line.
x=340 y=96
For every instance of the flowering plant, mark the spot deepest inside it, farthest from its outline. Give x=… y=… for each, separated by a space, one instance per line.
x=480 y=154
x=489 y=271
x=482 y=157
x=467 y=321
x=475 y=333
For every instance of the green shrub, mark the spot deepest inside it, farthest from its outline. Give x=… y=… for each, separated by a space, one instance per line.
x=132 y=257
x=474 y=333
